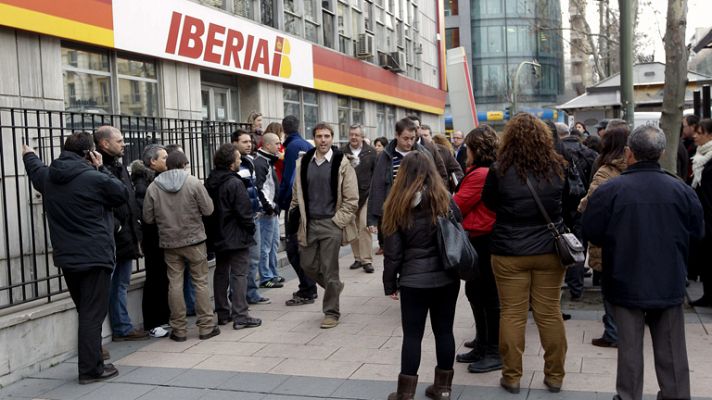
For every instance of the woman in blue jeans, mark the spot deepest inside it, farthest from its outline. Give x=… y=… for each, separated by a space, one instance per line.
x=413 y=267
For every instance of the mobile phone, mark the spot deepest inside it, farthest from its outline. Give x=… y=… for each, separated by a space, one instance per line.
x=87 y=154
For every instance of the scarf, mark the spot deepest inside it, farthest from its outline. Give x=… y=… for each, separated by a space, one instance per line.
x=703 y=155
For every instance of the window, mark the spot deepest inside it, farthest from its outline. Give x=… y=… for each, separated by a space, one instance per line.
x=267 y=13
x=243 y=8
x=102 y=82
x=368 y=16
x=451 y=7
x=220 y=103
x=304 y=104
x=343 y=27
x=452 y=38
x=350 y=112
x=386 y=120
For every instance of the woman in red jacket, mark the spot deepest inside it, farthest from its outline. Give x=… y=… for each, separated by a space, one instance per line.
x=478 y=220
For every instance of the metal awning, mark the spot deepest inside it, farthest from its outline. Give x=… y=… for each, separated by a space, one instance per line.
x=593 y=100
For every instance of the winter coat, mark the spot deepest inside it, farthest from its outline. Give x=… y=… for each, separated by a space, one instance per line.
x=520 y=228
x=127 y=224
x=265 y=169
x=478 y=220
x=383 y=180
x=364 y=170
x=704 y=193
x=231 y=225
x=603 y=174
x=343 y=183
x=411 y=255
x=451 y=166
x=78 y=200
x=294 y=144
x=439 y=162
x=247 y=175
x=141 y=177
x=176 y=201
x=644 y=220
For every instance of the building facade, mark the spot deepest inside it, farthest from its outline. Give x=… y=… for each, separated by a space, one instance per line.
x=343 y=62
x=499 y=35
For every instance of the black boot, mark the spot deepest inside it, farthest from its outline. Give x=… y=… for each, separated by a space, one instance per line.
x=473 y=355
x=490 y=362
x=442 y=385
x=406 y=388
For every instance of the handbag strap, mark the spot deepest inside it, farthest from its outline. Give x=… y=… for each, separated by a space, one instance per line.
x=549 y=224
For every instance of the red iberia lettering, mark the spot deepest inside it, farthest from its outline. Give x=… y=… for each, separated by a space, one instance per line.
x=213 y=41
x=233 y=45
x=173 y=33
x=193 y=30
x=261 y=57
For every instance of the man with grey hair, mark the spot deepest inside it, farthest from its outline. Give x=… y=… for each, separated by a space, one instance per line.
x=615 y=123
x=644 y=221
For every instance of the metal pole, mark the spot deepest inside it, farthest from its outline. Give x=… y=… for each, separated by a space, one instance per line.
x=626 y=56
x=696 y=103
x=706 y=101
x=515 y=85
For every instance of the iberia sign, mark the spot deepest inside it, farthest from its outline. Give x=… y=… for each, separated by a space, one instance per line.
x=188 y=32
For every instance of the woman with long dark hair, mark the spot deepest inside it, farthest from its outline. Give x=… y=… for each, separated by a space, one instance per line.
x=413 y=267
x=478 y=220
x=526 y=266
x=612 y=163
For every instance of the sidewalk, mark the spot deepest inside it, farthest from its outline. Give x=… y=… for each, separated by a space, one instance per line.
x=290 y=358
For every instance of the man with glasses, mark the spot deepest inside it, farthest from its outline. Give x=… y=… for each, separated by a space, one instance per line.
x=458 y=139
x=362 y=247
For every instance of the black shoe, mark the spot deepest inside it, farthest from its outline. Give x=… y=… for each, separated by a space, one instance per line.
x=576 y=298
x=247 y=323
x=175 y=338
x=355 y=265
x=565 y=316
x=603 y=342
x=470 y=357
x=213 y=333
x=702 y=302
x=224 y=321
x=109 y=372
x=472 y=344
x=271 y=284
x=490 y=362
x=368 y=268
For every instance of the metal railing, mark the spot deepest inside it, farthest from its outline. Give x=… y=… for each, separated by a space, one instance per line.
x=27 y=272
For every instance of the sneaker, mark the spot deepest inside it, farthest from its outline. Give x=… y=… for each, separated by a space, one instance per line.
x=213 y=333
x=248 y=322
x=109 y=372
x=329 y=322
x=355 y=265
x=158 y=332
x=133 y=335
x=261 y=300
x=368 y=268
x=271 y=285
x=280 y=279
x=298 y=301
x=602 y=342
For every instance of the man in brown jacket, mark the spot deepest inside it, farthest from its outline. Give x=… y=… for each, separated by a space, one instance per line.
x=177 y=202
x=326 y=194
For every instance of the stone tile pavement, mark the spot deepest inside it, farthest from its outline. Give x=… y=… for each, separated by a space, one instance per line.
x=290 y=358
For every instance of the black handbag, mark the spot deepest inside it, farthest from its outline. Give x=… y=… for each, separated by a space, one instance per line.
x=568 y=247
x=455 y=248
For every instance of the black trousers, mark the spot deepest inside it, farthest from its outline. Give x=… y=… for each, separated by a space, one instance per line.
x=90 y=291
x=415 y=305
x=155 y=290
x=307 y=286
x=481 y=292
x=231 y=271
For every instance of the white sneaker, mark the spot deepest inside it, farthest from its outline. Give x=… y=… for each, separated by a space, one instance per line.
x=158 y=332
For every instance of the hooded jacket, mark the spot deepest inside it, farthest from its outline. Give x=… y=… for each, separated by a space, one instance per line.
x=231 y=226
x=343 y=184
x=127 y=224
x=176 y=201
x=78 y=200
x=265 y=174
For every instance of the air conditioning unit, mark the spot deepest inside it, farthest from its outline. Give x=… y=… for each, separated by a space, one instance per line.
x=383 y=60
x=365 y=45
x=398 y=61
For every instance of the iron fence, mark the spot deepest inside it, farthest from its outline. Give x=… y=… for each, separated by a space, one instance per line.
x=27 y=272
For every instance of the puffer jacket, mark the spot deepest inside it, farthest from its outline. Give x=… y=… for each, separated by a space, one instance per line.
x=176 y=201
x=603 y=174
x=343 y=183
x=231 y=226
x=520 y=229
x=411 y=256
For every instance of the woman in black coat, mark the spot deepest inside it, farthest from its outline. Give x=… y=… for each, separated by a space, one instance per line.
x=413 y=267
x=702 y=183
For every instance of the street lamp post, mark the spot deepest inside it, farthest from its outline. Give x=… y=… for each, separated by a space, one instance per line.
x=515 y=84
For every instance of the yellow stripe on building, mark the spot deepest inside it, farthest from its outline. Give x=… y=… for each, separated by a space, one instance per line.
x=367 y=94
x=55 y=26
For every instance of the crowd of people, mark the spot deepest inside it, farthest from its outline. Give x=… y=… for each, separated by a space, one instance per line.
x=502 y=188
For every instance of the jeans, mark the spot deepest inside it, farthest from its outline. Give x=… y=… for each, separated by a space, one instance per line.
x=118 y=313
x=268 y=225
x=231 y=271
x=574 y=279
x=253 y=295
x=188 y=291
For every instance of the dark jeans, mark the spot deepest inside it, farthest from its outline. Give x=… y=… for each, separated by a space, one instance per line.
x=482 y=294
x=155 y=290
x=90 y=292
x=415 y=305
x=231 y=270
x=307 y=286
x=574 y=279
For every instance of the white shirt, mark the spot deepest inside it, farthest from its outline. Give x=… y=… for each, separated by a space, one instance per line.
x=327 y=157
x=355 y=152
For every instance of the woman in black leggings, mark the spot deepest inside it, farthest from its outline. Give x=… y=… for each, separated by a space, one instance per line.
x=413 y=267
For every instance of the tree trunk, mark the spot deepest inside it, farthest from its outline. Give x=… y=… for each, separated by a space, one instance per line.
x=675 y=79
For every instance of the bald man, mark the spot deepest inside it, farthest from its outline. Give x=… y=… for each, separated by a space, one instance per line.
x=267 y=185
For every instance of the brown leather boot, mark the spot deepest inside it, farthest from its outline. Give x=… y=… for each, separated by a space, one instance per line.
x=441 y=388
x=406 y=388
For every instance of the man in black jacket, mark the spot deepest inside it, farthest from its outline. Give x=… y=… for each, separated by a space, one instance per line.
x=231 y=230
x=362 y=247
x=79 y=193
x=267 y=185
x=110 y=143
x=644 y=262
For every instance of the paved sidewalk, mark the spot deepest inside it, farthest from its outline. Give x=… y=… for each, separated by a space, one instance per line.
x=290 y=358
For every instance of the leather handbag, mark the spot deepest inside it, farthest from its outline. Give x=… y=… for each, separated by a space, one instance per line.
x=455 y=248
x=568 y=247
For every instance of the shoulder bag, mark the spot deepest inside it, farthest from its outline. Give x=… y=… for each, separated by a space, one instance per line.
x=455 y=248
x=568 y=247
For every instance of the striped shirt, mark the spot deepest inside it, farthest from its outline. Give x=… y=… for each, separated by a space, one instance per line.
x=396 y=161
